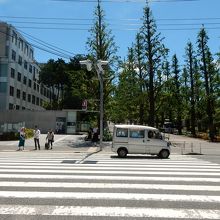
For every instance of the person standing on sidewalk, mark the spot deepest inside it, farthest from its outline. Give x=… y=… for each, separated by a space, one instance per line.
x=22 y=136
x=37 y=138
x=50 y=138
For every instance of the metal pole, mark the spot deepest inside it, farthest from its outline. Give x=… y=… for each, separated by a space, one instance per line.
x=101 y=108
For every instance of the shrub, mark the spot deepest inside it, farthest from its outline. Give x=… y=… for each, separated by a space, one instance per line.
x=107 y=136
x=11 y=136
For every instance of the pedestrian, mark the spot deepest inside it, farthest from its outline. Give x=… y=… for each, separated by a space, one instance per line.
x=37 y=138
x=22 y=136
x=50 y=138
x=95 y=136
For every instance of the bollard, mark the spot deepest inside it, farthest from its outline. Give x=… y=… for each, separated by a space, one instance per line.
x=200 y=148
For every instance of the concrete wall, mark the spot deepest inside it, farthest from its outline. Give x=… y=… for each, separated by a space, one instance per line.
x=45 y=120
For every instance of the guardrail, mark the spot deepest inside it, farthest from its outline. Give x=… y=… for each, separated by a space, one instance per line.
x=184 y=147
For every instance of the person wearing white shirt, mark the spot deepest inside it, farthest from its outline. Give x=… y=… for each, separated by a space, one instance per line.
x=37 y=138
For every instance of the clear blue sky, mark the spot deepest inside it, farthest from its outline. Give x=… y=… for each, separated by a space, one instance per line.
x=121 y=16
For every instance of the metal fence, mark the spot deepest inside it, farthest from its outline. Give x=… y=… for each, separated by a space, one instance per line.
x=184 y=147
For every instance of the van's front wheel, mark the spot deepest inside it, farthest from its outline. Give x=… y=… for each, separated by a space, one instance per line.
x=164 y=154
x=122 y=152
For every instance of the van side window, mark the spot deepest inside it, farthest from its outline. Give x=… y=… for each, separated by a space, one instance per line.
x=154 y=134
x=122 y=132
x=136 y=133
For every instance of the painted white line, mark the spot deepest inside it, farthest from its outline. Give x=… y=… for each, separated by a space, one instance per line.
x=111 y=186
x=60 y=139
x=81 y=171
x=59 y=163
x=110 y=196
x=113 y=162
x=88 y=167
x=131 y=178
x=134 y=212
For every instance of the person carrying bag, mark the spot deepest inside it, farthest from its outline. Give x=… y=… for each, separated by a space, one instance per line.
x=50 y=140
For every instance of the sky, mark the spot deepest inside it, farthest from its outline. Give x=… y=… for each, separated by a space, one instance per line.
x=64 y=24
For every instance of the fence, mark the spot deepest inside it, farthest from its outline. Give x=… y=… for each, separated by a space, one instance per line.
x=184 y=147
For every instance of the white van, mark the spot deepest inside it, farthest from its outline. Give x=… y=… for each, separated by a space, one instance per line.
x=138 y=139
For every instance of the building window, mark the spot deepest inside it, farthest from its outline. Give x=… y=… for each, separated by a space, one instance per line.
x=23 y=108
x=21 y=44
x=29 y=83
x=29 y=97
x=35 y=86
x=30 y=68
x=17 y=107
x=12 y=73
x=13 y=55
x=31 y=54
x=26 y=49
x=14 y=37
x=33 y=99
x=25 y=80
x=18 y=93
x=11 y=91
x=25 y=64
x=11 y=106
x=19 y=60
x=38 y=87
x=37 y=101
x=24 y=96
x=19 y=77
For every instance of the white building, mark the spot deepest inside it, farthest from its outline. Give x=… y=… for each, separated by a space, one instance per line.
x=19 y=73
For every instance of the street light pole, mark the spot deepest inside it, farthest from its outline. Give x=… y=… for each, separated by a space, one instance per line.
x=98 y=67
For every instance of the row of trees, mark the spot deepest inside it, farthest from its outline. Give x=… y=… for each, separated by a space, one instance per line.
x=148 y=88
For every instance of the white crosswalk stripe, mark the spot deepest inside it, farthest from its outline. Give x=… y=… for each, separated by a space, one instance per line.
x=101 y=186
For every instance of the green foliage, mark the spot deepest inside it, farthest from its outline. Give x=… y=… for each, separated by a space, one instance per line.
x=107 y=136
x=10 y=136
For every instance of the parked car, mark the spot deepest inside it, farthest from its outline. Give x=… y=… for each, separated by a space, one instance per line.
x=139 y=139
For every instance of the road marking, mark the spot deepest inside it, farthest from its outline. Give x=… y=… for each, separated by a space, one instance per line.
x=81 y=171
x=89 y=167
x=110 y=196
x=59 y=163
x=131 y=178
x=110 y=211
x=60 y=139
x=110 y=186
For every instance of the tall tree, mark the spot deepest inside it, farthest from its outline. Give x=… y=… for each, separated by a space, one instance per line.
x=208 y=70
x=177 y=94
x=154 y=53
x=101 y=46
x=190 y=57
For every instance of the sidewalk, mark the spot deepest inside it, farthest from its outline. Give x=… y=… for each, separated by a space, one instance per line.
x=77 y=144
x=187 y=145
x=66 y=143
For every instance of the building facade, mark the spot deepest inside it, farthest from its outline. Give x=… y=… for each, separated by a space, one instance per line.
x=19 y=73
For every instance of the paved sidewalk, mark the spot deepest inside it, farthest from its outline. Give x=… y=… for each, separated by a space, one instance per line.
x=77 y=143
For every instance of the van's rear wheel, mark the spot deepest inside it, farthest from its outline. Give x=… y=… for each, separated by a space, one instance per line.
x=122 y=152
x=164 y=154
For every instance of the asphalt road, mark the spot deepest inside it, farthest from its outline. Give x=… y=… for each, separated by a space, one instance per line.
x=87 y=185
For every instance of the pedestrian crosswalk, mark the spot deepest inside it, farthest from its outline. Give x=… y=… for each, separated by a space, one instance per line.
x=102 y=186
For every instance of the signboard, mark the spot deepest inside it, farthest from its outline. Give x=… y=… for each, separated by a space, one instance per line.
x=84 y=105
